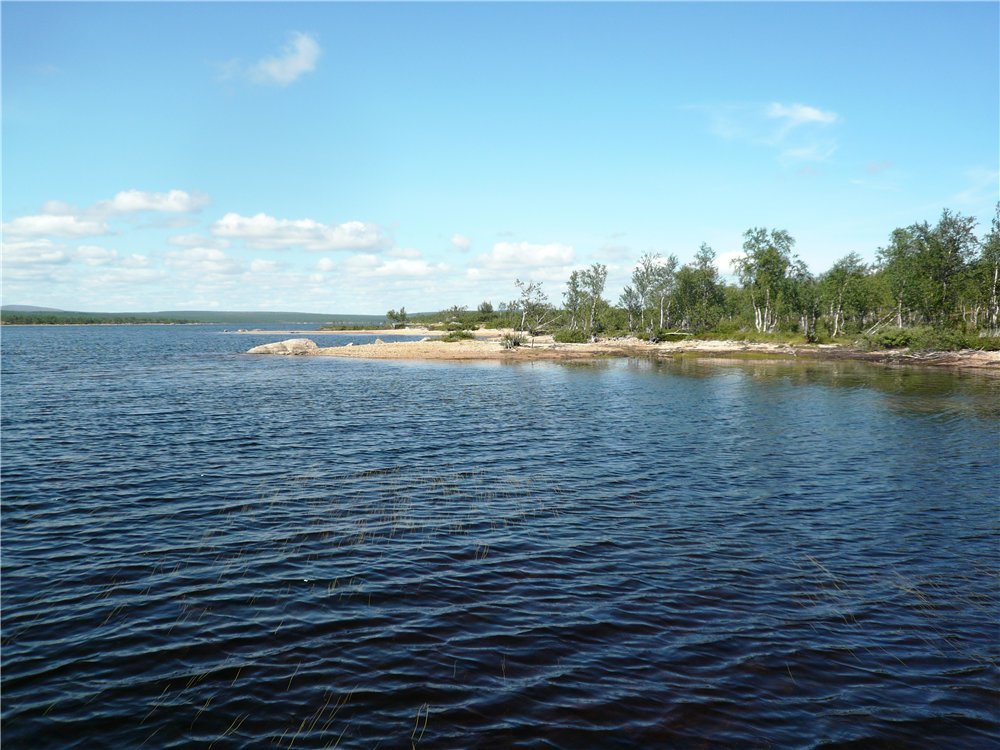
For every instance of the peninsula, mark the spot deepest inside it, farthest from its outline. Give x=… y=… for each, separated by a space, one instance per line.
x=495 y=345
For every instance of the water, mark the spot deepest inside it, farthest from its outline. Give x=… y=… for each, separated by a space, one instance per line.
x=203 y=548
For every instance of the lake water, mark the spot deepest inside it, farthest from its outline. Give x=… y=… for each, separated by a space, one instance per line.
x=205 y=548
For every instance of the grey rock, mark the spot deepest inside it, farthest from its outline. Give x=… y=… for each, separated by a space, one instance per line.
x=289 y=346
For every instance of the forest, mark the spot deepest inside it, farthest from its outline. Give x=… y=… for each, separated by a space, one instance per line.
x=932 y=286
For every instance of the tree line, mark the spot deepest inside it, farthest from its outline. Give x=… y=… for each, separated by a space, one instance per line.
x=941 y=276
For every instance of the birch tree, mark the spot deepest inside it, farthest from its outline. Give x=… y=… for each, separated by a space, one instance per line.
x=763 y=270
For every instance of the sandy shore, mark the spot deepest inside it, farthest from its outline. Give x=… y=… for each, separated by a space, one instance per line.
x=416 y=331
x=487 y=347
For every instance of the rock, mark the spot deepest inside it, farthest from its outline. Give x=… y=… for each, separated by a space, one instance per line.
x=289 y=346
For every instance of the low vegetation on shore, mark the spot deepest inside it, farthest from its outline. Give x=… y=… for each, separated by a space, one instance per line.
x=933 y=287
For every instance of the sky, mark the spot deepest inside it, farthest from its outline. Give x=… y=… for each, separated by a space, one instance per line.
x=351 y=158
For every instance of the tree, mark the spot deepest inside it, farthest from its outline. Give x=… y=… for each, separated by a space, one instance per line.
x=664 y=274
x=573 y=298
x=837 y=285
x=593 y=280
x=804 y=298
x=536 y=312
x=397 y=319
x=763 y=270
x=945 y=254
x=698 y=295
x=631 y=301
x=485 y=308
x=989 y=264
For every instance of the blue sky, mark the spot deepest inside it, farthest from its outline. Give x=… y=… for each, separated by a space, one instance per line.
x=335 y=157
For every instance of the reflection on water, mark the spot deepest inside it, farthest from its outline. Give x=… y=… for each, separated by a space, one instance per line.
x=201 y=547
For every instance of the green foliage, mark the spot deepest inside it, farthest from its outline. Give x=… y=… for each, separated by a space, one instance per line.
x=928 y=338
x=571 y=336
x=512 y=340
x=457 y=335
x=397 y=319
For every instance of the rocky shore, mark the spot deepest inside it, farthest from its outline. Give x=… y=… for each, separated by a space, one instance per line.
x=544 y=348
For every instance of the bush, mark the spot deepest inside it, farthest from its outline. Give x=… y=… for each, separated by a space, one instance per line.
x=454 y=336
x=927 y=339
x=570 y=336
x=511 y=340
x=661 y=334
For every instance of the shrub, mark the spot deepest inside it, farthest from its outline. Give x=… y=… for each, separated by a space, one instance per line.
x=570 y=336
x=511 y=340
x=927 y=339
x=454 y=336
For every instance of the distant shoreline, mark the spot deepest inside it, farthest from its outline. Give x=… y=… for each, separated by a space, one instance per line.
x=544 y=348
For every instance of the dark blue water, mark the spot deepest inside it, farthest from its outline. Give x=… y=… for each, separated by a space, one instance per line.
x=204 y=548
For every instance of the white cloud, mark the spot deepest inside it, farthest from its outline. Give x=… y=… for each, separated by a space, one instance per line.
x=297 y=57
x=409 y=267
x=259 y=265
x=799 y=114
x=325 y=264
x=461 y=243
x=136 y=261
x=93 y=255
x=125 y=277
x=367 y=265
x=204 y=261
x=197 y=240
x=528 y=255
x=130 y=202
x=724 y=262
x=173 y=201
x=46 y=225
x=791 y=129
x=267 y=232
x=32 y=253
x=404 y=252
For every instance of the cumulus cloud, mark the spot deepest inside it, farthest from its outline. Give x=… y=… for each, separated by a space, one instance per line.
x=32 y=253
x=461 y=243
x=130 y=202
x=136 y=261
x=93 y=255
x=198 y=240
x=61 y=219
x=46 y=225
x=173 y=201
x=405 y=252
x=528 y=255
x=371 y=266
x=125 y=277
x=325 y=265
x=297 y=57
x=203 y=261
x=260 y=265
x=269 y=233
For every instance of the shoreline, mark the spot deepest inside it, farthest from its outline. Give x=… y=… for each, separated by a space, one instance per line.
x=543 y=348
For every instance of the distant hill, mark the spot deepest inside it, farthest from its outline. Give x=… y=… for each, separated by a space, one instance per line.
x=28 y=308
x=28 y=314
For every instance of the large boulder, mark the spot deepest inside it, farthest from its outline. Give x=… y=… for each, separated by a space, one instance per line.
x=289 y=346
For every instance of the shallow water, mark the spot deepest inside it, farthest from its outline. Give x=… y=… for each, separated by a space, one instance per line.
x=203 y=547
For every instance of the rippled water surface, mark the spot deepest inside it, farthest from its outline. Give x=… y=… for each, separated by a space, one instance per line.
x=202 y=548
